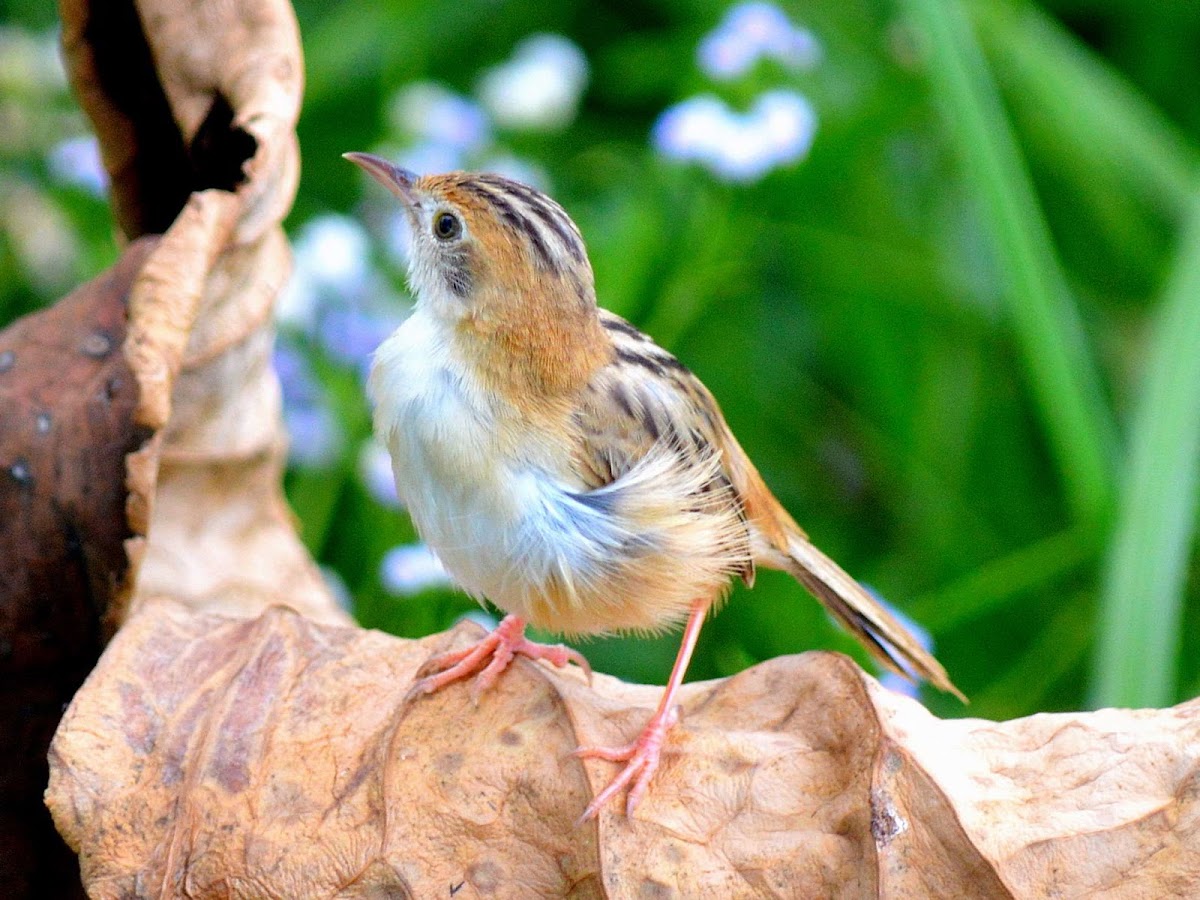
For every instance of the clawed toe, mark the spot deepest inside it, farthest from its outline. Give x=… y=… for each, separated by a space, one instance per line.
x=488 y=657
x=641 y=760
x=558 y=655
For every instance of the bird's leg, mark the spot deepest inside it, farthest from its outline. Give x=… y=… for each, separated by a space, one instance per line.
x=490 y=655
x=642 y=756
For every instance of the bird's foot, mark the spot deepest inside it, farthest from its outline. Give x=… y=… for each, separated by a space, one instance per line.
x=641 y=759
x=490 y=656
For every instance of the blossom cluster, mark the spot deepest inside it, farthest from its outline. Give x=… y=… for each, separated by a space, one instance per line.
x=780 y=124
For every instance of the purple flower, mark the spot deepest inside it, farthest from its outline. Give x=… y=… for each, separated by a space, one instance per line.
x=332 y=260
x=314 y=431
x=76 y=162
x=777 y=130
x=350 y=332
x=412 y=568
x=336 y=295
x=753 y=31
x=316 y=436
x=436 y=116
x=889 y=679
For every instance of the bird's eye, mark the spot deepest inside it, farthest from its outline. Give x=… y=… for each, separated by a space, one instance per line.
x=446 y=226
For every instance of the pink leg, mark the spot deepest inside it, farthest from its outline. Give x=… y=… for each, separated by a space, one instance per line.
x=642 y=756
x=490 y=656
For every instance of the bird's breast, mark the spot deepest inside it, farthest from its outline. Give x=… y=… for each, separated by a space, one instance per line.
x=468 y=481
x=440 y=428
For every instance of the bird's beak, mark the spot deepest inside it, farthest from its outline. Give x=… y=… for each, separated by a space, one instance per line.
x=397 y=180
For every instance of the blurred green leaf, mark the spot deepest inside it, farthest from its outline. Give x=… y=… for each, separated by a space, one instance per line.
x=1061 y=646
x=991 y=586
x=1063 y=373
x=1115 y=134
x=1141 y=599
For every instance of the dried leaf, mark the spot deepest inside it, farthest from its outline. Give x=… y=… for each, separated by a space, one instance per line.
x=209 y=487
x=181 y=428
x=278 y=757
x=187 y=96
x=67 y=397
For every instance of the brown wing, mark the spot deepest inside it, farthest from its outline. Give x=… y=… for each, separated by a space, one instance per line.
x=646 y=398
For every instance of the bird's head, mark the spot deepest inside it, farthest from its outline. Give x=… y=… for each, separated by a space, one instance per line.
x=502 y=264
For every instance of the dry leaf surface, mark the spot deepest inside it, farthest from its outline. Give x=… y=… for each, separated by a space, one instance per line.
x=279 y=757
x=116 y=428
x=203 y=97
x=67 y=397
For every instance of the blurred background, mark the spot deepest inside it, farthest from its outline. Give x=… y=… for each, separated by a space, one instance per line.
x=938 y=260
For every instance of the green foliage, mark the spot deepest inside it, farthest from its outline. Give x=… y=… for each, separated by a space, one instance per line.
x=959 y=338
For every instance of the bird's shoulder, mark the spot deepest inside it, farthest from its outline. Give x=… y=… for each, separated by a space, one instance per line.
x=644 y=398
x=641 y=398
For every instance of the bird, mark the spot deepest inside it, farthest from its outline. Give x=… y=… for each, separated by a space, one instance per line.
x=564 y=466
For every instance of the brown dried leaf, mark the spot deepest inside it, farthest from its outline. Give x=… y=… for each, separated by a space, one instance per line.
x=66 y=424
x=187 y=96
x=278 y=757
x=178 y=435
x=209 y=487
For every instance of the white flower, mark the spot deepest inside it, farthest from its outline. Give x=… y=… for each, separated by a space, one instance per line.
x=777 y=130
x=397 y=237
x=336 y=250
x=41 y=236
x=479 y=617
x=540 y=87
x=517 y=169
x=315 y=435
x=787 y=123
x=411 y=568
x=751 y=31
x=332 y=255
x=694 y=129
x=430 y=158
x=30 y=63
x=76 y=161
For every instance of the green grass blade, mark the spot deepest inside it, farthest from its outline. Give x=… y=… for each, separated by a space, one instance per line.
x=1093 y=108
x=1142 y=594
x=1063 y=375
